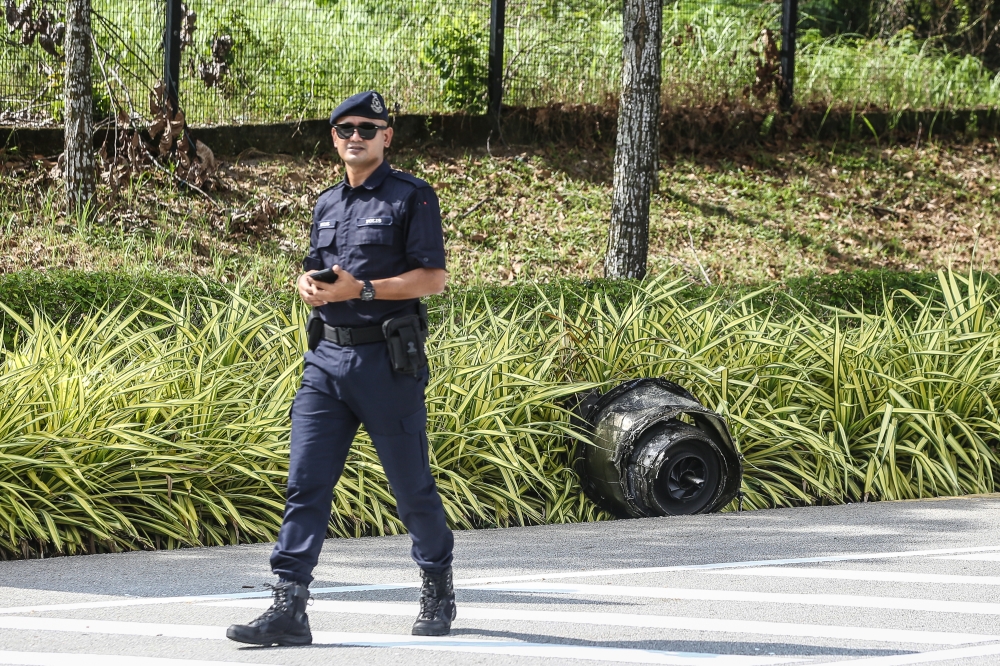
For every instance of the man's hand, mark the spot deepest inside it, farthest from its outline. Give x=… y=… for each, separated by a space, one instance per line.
x=308 y=291
x=417 y=283
x=316 y=293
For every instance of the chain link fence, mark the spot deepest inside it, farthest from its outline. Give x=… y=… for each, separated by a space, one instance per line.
x=259 y=60
x=250 y=61
x=127 y=62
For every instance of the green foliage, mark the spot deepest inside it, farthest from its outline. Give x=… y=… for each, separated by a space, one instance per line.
x=967 y=26
x=457 y=50
x=252 y=50
x=61 y=293
x=833 y=17
x=123 y=435
x=118 y=433
x=51 y=86
x=74 y=295
x=885 y=72
x=557 y=52
x=855 y=291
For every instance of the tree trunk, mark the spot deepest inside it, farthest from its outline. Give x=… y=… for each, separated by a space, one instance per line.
x=78 y=167
x=637 y=150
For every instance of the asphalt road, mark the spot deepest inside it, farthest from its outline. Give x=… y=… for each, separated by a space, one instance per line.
x=885 y=584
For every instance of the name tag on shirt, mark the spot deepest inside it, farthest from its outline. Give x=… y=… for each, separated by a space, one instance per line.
x=325 y=224
x=374 y=221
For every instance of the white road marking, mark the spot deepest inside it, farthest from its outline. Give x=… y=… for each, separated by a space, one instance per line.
x=154 y=601
x=447 y=644
x=147 y=601
x=843 y=600
x=113 y=627
x=851 y=574
x=726 y=565
x=467 y=612
x=921 y=657
x=980 y=557
x=80 y=659
x=559 y=651
x=116 y=603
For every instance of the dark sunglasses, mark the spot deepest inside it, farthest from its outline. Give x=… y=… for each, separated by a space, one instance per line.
x=366 y=131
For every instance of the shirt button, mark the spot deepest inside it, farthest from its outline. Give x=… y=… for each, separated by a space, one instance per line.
x=426 y=260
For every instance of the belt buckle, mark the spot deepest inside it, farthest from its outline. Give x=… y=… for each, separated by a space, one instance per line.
x=344 y=337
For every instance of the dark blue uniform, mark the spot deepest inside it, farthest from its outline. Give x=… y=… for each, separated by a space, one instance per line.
x=385 y=227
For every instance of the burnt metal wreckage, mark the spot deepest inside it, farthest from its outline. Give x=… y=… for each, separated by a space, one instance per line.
x=654 y=450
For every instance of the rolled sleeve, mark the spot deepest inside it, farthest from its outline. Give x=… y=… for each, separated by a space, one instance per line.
x=424 y=237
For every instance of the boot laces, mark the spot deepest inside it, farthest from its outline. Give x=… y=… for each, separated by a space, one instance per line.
x=430 y=600
x=279 y=605
x=429 y=607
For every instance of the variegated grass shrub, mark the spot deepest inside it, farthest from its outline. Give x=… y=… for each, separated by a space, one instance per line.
x=115 y=434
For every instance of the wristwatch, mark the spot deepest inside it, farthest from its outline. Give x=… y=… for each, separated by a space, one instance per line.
x=367 y=291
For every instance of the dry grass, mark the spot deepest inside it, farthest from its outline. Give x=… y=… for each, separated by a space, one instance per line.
x=747 y=216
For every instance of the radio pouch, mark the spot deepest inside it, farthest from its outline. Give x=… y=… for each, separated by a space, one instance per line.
x=314 y=329
x=405 y=337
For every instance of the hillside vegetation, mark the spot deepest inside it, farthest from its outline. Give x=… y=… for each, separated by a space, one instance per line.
x=748 y=216
x=119 y=433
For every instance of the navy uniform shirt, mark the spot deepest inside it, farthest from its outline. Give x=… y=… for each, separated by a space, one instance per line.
x=388 y=225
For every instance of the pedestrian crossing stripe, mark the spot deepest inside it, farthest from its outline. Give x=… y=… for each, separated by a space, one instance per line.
x=473 y=582
x=855 y=574
x=846 y=557
x=445 y=643
x=841 y=600
x=715 y=625
x=540 y=584
x=80 y=659
x=980 y=557
x=921 y=657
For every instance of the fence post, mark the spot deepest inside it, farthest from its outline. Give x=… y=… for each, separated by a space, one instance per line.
x=789 y=23
x=498 y=16
x=172 y=52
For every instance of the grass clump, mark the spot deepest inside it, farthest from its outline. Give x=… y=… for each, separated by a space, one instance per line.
x=896 y=73
x=118 y=434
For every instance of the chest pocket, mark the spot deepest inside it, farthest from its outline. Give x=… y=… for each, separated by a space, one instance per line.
x=374 y=231
x=326 y=237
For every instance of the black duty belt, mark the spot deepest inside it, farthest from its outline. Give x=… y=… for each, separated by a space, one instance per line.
x=348 y=337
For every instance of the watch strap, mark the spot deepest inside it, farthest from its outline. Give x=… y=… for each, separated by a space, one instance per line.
x=367 y=291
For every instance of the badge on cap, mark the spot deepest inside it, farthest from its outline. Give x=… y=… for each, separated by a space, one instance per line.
x=376 y=103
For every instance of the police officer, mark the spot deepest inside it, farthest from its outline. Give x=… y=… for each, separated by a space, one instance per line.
x=380 y=232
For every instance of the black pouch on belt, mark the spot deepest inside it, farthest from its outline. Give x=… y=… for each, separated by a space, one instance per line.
x=314 y=329
x=405 y=337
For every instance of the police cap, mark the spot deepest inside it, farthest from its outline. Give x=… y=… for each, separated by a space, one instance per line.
x=368 y=104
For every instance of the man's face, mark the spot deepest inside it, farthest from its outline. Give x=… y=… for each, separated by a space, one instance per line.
x=357 y=152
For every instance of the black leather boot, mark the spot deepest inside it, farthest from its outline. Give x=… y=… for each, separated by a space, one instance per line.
x=284 y=623
x=437 y=605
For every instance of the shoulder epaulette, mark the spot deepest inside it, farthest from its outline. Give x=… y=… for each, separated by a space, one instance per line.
x=409 y=178
x=332 y=187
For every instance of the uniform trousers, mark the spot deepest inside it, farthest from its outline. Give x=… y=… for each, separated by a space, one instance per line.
x=343 y=387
